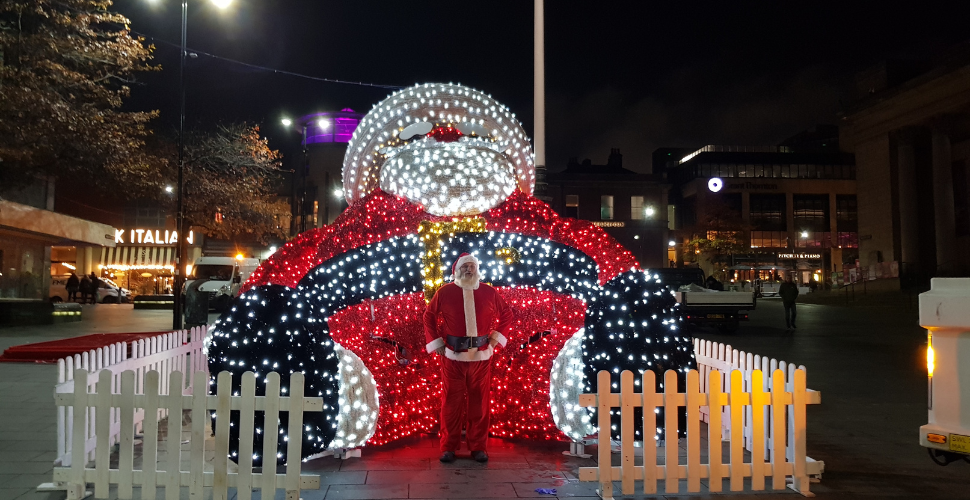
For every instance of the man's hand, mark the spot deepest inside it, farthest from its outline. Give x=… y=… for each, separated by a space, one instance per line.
x=492 y=340
x=440 y=351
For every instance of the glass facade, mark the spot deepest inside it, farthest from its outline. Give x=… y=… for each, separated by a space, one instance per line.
x=23 y=268
x=775 y=171
x=768 y=212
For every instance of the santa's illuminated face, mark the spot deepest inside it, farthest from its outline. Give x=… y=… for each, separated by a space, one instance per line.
x=450 y=149
x=467 y=275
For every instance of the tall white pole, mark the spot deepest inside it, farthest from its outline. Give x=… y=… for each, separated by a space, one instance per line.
x=539 y=112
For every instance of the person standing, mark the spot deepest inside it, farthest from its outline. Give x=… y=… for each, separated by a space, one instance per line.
x=95 y=285
x=463 y=323
x=789 y=292
x=85 y=287
x=73 y=283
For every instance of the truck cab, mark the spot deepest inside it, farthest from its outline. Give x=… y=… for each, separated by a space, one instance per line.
x=225 y=276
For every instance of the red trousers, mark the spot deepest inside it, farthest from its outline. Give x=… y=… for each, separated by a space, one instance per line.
x=459 y=380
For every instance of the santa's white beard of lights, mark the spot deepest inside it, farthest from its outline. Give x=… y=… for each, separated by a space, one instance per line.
x=463 y=177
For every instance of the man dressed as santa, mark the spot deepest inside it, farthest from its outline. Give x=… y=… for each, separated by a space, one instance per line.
x=463 y=323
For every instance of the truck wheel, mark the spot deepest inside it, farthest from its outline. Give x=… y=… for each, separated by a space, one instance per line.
x=728 y=327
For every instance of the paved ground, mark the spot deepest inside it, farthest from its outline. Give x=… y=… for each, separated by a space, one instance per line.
x=867 y=362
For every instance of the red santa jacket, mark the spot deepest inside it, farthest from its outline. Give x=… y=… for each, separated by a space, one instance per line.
x=446 y=315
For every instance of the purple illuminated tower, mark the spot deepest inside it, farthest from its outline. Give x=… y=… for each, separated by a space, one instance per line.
x=327 y=135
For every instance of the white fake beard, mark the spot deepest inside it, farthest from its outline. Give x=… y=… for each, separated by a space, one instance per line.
x=470 y=282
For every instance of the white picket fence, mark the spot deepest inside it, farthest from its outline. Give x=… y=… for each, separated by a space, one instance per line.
x=717 y=356
x=174 y=351
x=107 y=399
x=768 y=420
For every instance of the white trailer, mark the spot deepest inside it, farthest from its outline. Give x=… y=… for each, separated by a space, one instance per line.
x=945 y=313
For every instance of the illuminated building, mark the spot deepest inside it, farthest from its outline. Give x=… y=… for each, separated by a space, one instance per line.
x=788 y=207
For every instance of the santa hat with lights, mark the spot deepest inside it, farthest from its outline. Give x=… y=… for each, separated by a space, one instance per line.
x=463 y=259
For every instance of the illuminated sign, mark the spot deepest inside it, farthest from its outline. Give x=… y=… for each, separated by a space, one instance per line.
x=799 y=256
x=609 y=224
x=150 y=237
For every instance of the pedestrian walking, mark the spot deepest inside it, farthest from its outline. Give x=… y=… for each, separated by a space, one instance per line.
x=463 y=323
x=789 y=292
x=73 y=283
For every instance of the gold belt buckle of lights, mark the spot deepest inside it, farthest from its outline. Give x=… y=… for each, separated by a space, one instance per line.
x=432 y=234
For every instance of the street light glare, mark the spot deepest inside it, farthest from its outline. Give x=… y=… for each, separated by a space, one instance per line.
x=169 y=189
x=287 y=122
x=324 y=124
x=222 y=4
x=339 y=193
x=804 y=234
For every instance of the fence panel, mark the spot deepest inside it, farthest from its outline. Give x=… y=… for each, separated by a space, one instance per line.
x=162 y=353
x=107 y=398
x=737 y=402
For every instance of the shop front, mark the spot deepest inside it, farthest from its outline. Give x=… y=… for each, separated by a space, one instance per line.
x=143 y=259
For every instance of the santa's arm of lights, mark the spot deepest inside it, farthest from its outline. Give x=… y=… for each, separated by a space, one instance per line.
x=430 y=318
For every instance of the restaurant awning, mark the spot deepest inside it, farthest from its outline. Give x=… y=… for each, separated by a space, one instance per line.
x=138 y=257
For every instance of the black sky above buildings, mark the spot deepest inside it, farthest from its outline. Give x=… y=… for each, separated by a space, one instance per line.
x=634 y=74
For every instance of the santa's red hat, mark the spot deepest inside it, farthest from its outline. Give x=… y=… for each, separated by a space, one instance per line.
x=462 y=259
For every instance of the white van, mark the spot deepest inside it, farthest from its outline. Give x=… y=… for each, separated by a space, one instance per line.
x=225 y=274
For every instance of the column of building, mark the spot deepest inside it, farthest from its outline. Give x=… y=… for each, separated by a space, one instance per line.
x=943 y=209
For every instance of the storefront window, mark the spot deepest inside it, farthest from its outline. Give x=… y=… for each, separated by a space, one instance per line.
x=768 y=212
x=606 y=207
x=23 y=269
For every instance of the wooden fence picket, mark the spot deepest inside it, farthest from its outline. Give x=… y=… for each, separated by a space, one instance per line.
x=220 y=486
x=173 y=479
x=626 y=432
x=197 y=452
x=715 y=453
x=694 y=403
x=271 y=415
x=294 y=447
x=672 y=399
x=150 y=440
x=126 y=448
x=778 y=422
x=244 y=482
x=651 y=400
x=603 y=438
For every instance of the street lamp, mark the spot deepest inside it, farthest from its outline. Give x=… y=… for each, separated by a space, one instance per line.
x=181 y=246
x=306 y=166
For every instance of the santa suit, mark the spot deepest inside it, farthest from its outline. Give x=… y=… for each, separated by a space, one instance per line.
x=459 y=312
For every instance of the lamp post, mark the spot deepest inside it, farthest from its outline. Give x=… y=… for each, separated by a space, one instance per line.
x=287 y=123
x=181 y=244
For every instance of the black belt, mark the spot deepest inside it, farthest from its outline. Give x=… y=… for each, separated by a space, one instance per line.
x=462 y=344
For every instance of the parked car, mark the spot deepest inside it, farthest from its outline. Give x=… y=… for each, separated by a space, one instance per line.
x=108 y=293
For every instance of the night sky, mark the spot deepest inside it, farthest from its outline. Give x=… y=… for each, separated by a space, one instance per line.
x=636 y=75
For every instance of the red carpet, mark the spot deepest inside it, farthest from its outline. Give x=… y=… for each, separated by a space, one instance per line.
x=50 y=352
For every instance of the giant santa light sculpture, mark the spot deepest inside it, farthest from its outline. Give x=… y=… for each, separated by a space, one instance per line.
x=431 y=172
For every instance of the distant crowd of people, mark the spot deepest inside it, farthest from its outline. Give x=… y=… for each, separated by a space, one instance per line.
x=87 y=286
